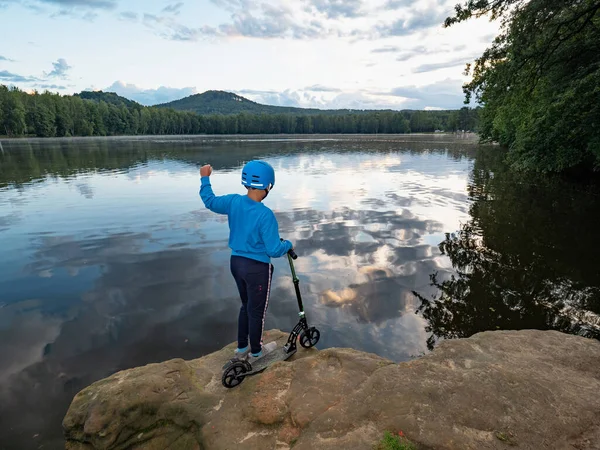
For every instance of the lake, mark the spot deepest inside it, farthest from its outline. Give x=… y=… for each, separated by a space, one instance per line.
x=110 y=260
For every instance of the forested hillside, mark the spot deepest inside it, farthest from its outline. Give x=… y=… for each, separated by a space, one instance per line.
x=220 y=102
x=105 y=114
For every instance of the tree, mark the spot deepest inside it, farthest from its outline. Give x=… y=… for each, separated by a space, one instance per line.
x=539 y=82
x=43 y=119
x=64 y=120
x=13 y=114
x=3 y=97
x=97 y=113
x=82 y=125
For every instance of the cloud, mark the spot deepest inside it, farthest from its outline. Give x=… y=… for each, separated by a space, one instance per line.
x=334 y=9
x=149 y=97
x=274 y=22
x=260 y=21
x=320 y=98
x=320 y=88
x=128 y=15
x=445 y=94
x=60 y=69
x=62 y=13
x=316 y=96
x=233 y=5
x=409 y=54
x=51 y=86
x=168 y=28
x=360 y=100
x=15 y=78
x=285 y=98
x=173 y=8
x=443 y=65
x=397 y=4
x=417 y=21
x=488 y=38
x=92 y=4
x=403 y=54
x=310 y=19
x=66 y=8
x=90 y=16
x=245 y=24
x=4 y=58
x=386 y=49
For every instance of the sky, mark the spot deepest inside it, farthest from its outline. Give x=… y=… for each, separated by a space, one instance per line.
x=360 y=54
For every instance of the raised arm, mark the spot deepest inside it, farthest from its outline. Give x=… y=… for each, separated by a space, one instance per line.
x=219 y=205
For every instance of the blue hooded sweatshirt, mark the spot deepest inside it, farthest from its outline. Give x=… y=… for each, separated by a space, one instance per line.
x=253 y=228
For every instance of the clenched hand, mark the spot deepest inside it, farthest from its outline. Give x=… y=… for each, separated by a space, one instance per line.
x=206 y=171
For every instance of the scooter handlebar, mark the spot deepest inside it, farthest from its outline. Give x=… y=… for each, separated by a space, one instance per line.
x=291 y=252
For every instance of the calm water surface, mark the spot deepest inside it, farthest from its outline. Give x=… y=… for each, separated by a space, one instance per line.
x=110 y=260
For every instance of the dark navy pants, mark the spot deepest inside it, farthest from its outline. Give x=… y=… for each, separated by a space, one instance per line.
x=253 y=279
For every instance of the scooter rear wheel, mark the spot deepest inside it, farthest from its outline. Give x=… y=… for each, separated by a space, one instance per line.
x=310 y=337
x=234 y=375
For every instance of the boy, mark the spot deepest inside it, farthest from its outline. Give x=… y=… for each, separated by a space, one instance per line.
x=254 y=240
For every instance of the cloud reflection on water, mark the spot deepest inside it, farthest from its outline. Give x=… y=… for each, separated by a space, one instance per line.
x=135 y=270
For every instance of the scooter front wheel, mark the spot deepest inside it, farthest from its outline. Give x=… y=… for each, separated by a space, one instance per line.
x=310 y=337
x=234 y=375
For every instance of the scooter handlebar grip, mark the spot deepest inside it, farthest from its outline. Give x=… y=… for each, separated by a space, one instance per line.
x=291 y=251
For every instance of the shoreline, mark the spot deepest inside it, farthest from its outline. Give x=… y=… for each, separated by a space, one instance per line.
x=467 y=138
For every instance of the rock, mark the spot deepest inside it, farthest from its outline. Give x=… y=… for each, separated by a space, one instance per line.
x=495 y=390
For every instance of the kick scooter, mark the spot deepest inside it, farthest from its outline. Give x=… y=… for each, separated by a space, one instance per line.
x=236 y=370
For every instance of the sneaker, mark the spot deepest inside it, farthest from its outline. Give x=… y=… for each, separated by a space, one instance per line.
x=266 y=349
x=241 y=353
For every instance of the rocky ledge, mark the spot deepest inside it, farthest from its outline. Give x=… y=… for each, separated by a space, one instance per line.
x=495 y=390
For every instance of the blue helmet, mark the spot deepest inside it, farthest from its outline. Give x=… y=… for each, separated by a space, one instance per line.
x=258 y=175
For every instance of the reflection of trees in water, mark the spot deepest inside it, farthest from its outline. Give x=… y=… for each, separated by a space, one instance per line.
x=26 y=161
x=524 y=260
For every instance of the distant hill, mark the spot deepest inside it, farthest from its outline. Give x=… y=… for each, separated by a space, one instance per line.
x=221 y=102
x=108 y=97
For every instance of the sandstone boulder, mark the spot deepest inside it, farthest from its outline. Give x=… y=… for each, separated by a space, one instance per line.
x=495 y=390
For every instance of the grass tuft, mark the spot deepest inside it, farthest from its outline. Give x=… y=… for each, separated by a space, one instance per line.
x=395 y=442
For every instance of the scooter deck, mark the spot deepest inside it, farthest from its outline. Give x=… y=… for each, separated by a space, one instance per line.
x=261 y=364
x=276 y=355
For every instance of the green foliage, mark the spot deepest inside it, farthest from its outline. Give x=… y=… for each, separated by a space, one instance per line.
x=108 y=97
x=539 y=82
x=106 y=114
x=394 y=442
x=13 y=113
x=507 y=438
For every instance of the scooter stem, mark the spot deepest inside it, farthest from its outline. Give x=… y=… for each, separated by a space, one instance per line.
x=296 y=285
